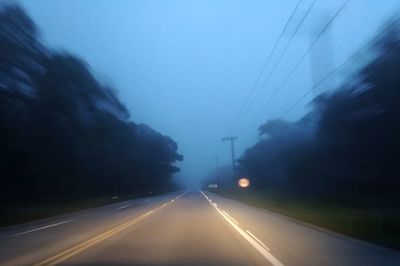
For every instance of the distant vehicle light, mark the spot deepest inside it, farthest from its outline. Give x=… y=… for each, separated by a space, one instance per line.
x=244 y=182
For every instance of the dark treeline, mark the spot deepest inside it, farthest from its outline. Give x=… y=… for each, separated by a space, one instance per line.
x=62 y=133
x=346 y=148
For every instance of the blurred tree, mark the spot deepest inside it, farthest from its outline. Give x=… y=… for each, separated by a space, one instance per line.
x=63 y=134
x=347 y=147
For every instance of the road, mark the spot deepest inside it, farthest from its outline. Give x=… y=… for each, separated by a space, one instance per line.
x=192 y=228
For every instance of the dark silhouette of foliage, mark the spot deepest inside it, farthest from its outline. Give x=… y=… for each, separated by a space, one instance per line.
x=62 y=133
x=346 y=148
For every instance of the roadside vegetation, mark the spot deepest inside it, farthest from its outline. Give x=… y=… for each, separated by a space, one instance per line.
x=379 y=225
x=30 y=212
x=339 y=165
x=64 y=136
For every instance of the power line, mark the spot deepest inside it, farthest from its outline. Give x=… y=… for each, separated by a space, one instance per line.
x=331 y=74
x=340 y=9
x=265 y=65
x=298 y=63
x=328 y=76
x=361 y=51
x=279 y=58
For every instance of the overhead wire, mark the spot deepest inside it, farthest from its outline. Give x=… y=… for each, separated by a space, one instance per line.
x=257 y=95
x=327 y=77
x=265 y=65
x=278 y=89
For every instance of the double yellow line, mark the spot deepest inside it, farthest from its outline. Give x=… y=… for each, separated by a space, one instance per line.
x=60 y=257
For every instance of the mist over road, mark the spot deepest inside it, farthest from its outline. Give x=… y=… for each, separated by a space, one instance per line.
x=191 y=228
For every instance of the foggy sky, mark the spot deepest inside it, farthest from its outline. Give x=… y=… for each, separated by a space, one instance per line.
x=185 y=67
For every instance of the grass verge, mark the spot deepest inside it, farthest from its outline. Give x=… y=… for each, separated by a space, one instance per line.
x=15 y=214
x=378 y=225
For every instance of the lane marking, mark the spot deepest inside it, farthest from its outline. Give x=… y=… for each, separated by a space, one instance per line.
x=43 y=227
x=262 y=248
x=72 y=251
x=122 y=207
x=182 y=194
x=230 y=217
x=258 y=240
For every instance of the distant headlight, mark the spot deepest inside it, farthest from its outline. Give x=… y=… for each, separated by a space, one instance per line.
x=243 y=182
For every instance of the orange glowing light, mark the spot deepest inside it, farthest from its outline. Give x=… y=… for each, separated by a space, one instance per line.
x=243 y=182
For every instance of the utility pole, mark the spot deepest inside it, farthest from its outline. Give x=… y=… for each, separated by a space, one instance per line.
x=232 y=140
x=217 y=170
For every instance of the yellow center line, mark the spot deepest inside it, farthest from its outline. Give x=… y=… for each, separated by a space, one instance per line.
x=60 y=257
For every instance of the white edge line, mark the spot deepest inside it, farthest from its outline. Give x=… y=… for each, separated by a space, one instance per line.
x=236 y=222
x=43 y=227
x=260 y=248
x=258 y=240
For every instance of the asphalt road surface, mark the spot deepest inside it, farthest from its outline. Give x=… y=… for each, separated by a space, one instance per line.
x=192 y=228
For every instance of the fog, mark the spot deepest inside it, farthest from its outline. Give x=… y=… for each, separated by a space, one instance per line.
x=185 y=68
